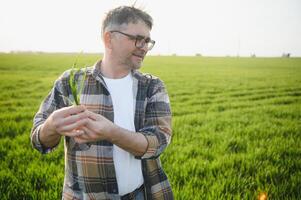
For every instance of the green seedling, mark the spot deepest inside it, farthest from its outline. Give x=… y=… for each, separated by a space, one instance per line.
x=76 y=90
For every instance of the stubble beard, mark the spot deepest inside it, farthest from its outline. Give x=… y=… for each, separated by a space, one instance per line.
x=132 y=65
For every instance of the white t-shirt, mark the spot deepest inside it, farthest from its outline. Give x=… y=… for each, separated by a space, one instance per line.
x=128 y=169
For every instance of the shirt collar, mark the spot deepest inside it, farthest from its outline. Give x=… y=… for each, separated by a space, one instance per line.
x=96 y=73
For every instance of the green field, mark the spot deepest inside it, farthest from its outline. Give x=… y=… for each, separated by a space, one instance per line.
x=236 y=126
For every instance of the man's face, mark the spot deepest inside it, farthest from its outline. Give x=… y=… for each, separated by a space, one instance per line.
x=124 y=48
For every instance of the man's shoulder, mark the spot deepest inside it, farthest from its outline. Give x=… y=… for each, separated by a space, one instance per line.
x=146 y=77
x=152 y=84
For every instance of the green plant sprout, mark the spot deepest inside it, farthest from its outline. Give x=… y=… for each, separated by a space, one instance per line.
x=75 y=90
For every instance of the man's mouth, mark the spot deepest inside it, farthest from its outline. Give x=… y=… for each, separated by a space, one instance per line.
x=139 y=55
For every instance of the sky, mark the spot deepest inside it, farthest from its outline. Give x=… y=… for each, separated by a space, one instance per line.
x=208 y=27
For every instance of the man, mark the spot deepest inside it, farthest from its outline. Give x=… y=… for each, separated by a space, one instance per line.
x=113 y=140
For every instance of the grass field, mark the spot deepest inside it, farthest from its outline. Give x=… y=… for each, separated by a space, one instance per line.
x=236 y=126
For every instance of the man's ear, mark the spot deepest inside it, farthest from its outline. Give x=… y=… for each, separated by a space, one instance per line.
x=107 y=39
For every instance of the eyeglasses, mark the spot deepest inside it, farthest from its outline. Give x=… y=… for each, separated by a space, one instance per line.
x=140 y=40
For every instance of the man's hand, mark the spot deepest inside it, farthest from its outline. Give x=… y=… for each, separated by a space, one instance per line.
x=98 y=128
x=65 y=121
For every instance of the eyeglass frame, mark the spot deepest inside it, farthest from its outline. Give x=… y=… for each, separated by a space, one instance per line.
x=138 y=38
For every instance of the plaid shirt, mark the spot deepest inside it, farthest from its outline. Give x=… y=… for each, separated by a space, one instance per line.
x=89 y=168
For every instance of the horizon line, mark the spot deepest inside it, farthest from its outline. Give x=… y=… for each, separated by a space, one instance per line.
x=283 y=55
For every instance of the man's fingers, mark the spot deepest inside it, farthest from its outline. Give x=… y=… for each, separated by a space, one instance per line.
x=74 y=133
x=78 y=133
x=74 y=118
x=84 y=137
x=75 y=125
x=93 y=115
x=91 y=135
x=72 y=110
x=91 y=125
x=88 y=132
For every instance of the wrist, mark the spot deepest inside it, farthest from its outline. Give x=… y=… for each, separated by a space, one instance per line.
x=46 y=130
x=49 y=127
x=112 y=133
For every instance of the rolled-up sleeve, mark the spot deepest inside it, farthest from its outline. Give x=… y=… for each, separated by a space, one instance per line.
x=157 y=124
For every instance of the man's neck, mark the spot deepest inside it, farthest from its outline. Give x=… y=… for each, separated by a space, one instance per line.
x=112 y=70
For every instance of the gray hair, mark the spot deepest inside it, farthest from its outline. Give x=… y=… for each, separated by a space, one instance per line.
x=119 y=16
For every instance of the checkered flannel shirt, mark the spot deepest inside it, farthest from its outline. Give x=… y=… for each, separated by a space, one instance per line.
x=89 y=170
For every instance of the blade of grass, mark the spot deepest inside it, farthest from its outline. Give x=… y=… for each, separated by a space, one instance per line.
x=73 y=84
x=82 y=83
x=76 y=92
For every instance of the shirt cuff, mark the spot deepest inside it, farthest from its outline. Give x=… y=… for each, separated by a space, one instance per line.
x=152 y=145
x=37 y=142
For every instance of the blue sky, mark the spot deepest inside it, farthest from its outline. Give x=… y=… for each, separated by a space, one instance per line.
x=212 y=28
